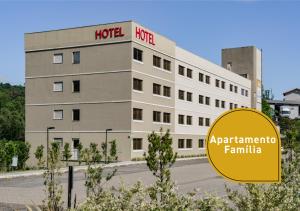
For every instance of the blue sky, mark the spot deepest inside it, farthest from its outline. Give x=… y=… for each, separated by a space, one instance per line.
x=201 y=27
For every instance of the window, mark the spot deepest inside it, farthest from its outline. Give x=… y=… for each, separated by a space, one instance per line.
x=217 y=83
x=201 y=99
x=235 y=105
x=76 y=86
x=76 y=142
x=58 y=86
x=156 y=116
x=207 y=79
x=59 y=141
x=217 y=103
x=189 y=96
x=189 y=73
x=235 y=89
x=58 y=114
x=58 y=58
x=137 y=143
x=167 y=65
x=156 y=61
x=76 y=114
x=229 y=65
x=76 y=57
x=246 y=93
x=189 y=120
x=200 y=121
x=201 y=143
x=167 y=91
x=242 y=91
x=137 y=114
x=167 y=118
x=231 y=106
x=201 y=76
x=181 y=70
x=138 y=54
x=181 y=119
x=231 y=87
x=223 y=104
x=137 y=84
x=180 y=143
x=156 y=89
x=207 y=121
x=223 y=84
x=181 y=94
x=207 y=100
x=189 y=143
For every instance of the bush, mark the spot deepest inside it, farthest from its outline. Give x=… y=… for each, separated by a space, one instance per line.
x=9 y=149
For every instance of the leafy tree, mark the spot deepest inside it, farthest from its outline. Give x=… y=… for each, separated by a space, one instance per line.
x=95 y=153
x=10 y=152
x=266 y=109
x=159 y=160
x=12 y=112
x=23 y=149
x=79 y=148
x=39 y=154
x=67 y=152
x=113 y=151
x=53 y=188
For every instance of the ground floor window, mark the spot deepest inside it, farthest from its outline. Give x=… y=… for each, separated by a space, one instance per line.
x=180 y=143
x=201 y=143
x=137 y=144
x=59 y=141
x=189 y=143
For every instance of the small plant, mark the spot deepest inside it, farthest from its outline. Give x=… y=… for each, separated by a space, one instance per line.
x=67 y=153
x=53 y=190
x=95 y=153
x=39 y=154
x=79 y=148
x=113 y=151
x=159 y=160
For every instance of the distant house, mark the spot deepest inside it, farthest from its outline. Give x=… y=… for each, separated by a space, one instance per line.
x=289 y=106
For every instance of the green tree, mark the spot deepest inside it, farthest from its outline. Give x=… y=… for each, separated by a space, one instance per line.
x=12 y=112
x=266 y=109
x=67 y=152
x=53 y=188
x=23 y=149
x=113 y=151
x=95 y=153
x=160 y=158
x=10 y=152
x=39 y=154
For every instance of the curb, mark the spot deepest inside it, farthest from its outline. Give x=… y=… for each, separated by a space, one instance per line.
x=79 y=168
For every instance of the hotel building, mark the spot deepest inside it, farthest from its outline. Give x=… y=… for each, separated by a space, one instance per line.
x=125 y=77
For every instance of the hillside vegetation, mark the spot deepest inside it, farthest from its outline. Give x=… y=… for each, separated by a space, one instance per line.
x=12 y=112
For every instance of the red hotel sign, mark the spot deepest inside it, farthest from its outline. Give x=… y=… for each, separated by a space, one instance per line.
x=108 y=33
x=114 y=32
x=144 y=35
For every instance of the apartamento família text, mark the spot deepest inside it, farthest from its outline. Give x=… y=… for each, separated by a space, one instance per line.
x=247 y=145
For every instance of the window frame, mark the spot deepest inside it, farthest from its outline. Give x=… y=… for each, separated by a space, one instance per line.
x=139 y=84
x=136 y=52
x=58 y=82
x=73 y=86
x=73 y=111
x=156 y=114
x=74 y=61
x=135 y=146
x=58 y=54
x=137 y=114
x=58 y=110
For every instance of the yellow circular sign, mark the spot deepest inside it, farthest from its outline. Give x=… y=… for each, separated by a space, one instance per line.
x=243 y=145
